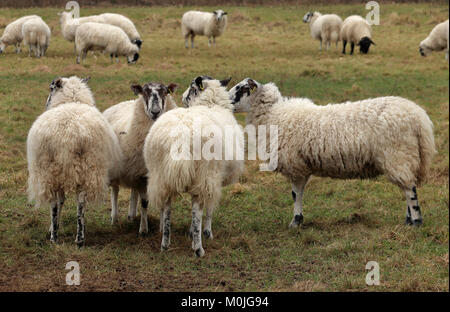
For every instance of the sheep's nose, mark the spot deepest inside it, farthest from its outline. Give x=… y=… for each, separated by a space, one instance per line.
x=155 y=114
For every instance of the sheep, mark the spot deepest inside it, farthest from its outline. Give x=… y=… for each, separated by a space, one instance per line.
x=386 y=135
x=201 y=177
x=207 y=24
x=111 y=39
x=71 y=148
x=12 y=35
x=125 y=23
x=437 y=40
x=356 y=30
x=325 y=28
x=131 y=121
x=36 y=34
x=69 y=25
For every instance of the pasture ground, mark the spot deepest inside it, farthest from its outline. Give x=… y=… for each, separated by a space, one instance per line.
x=347 y=223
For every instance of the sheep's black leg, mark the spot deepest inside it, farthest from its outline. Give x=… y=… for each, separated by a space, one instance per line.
x=80 y=219
x=166 y=227
x=143 y=227
x=352 y=47
x=197 y=212
x=344 y=44
x=413 y=214
x=297 y=194
x=54 y=221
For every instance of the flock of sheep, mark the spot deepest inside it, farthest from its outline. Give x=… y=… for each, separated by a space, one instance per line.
x=74 y=148
x=330 y=28
x=116 y=34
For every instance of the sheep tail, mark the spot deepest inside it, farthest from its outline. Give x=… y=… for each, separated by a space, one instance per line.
x=426 y=147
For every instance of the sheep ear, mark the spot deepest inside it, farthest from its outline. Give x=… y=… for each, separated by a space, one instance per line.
x=57 y=83
x=85 y=80
x=215 y=12
x=137 y=89
x=225 y=82
x=252 y=84
x=225 y=13
x=172 y=88
x=199 y=82
x=372 y=42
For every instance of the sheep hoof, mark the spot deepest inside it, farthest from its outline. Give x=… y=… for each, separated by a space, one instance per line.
x=200 y=252
x=143 y=233
x=417 y=222
x=80 y=243
x=131 y=218
x=298 y=219
x=164 y=248
x=208 y=234
x=408 y=221
x=114 y=221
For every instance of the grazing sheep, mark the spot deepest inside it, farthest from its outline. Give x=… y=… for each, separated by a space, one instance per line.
x=125 y=23
x=131 y=122
x=12 y=35
x=111 y=39
x=356 y=30
x=201 y=177
x=36 y=34
x=69 y=25
x=325 y=28
x=387 y=135
x=207 y=24
x=437 y=40
x=71 y=148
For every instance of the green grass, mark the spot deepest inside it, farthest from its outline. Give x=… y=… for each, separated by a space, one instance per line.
x=347 y=222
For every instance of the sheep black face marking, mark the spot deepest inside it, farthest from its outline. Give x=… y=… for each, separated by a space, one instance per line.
x=194 y=89
x=307 y=17
x=55 y=85
x=364 y=45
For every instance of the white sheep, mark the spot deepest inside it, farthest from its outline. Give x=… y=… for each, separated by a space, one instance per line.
x=207 y=24
x=387 y=135
x=437 y=40
x=12 y=35
x=69 y=25
x=104 y=37
x=125 y=23
x=71 y=148
x=325 y=28
x=131 y=121
x=36 y=34
x=356 y=30
x=202 y=177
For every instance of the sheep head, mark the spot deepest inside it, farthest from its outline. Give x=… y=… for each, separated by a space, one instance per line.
x=154 y=95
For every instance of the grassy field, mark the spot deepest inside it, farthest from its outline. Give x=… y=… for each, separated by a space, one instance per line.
x=347 y=222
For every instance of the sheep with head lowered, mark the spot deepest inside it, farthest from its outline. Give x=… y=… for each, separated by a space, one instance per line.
x=389 y=136
x=104 y=37
x=178 y=156
x=325 y=28
x=437 y=40
x=71 y=148
x=207 y=24
x=357 y=31
x=131 y=121
x=12 y=35
x=36 y=34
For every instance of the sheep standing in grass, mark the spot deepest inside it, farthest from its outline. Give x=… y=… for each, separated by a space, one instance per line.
x=436 y=41
x=71 y=148
x=111 y=39
x=131 y=122
x=36 y=34
x=325 y=28
x=356 y=30
x=170 y=174
x=125 y=23
x=69 y=25
x=387 y=135
x=207 y=24
x=12 y=35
